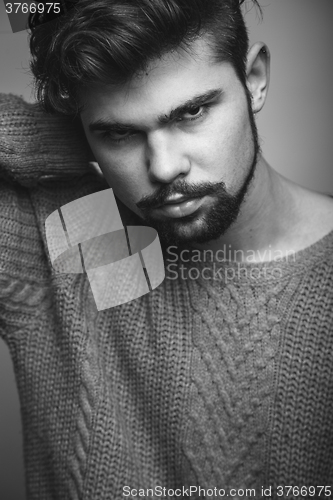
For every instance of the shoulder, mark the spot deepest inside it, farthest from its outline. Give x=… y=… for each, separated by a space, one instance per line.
x=311 y=214
x=317 y=210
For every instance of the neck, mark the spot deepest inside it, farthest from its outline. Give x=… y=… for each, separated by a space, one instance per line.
x=267 y=218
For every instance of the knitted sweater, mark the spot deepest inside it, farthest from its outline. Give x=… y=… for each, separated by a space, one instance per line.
x=213 y=383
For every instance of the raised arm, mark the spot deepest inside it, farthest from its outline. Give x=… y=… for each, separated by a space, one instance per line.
x=36 y=149
x=35 y=145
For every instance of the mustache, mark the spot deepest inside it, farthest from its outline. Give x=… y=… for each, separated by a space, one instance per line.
x=182 y=188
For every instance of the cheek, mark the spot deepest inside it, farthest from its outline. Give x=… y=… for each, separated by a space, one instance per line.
x=235 y=132
x=224 y=142
x=124 y=175
x=229 y=154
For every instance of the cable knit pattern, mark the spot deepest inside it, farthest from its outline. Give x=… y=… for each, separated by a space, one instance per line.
x=222 y=383
x=234 y=350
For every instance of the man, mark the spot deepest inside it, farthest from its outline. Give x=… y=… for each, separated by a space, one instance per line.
x=218 y=382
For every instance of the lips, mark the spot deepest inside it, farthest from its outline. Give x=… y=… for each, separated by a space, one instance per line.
x=175 y=201
x=180 y=207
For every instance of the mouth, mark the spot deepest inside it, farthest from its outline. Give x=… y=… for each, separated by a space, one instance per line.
x=180 y=206
x=175 y=200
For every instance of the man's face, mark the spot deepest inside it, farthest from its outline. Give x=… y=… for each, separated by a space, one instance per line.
x=178 y=144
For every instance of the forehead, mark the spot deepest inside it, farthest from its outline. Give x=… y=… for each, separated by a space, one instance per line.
x=165 y=84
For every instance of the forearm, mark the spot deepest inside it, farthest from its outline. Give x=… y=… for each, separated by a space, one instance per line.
x=35 y=145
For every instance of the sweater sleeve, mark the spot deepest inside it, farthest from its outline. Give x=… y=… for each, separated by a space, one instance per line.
x=34 y=147
x=24 y=274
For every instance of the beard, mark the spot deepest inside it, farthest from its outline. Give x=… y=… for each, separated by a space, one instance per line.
x=218 y=217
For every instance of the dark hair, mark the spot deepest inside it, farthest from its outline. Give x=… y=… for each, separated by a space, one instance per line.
x=105 y=42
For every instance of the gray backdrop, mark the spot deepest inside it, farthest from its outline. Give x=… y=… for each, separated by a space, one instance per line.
x=295 y=132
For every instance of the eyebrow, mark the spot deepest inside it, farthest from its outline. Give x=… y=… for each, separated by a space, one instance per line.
x=189 y=105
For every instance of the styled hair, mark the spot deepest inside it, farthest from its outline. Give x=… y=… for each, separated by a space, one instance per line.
x=107 y=42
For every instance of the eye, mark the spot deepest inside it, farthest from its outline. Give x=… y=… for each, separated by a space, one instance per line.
x=195 y=113
x=117 y=136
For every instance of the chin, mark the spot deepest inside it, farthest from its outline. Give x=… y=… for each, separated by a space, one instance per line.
x=196 y=230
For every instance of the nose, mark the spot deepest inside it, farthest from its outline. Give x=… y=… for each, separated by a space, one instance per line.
x=166 y=157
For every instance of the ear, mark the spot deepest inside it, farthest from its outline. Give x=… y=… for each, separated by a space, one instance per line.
x=258 y=73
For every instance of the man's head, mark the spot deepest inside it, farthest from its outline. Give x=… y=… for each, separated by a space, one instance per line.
x=109 y=41
x=164 y=93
